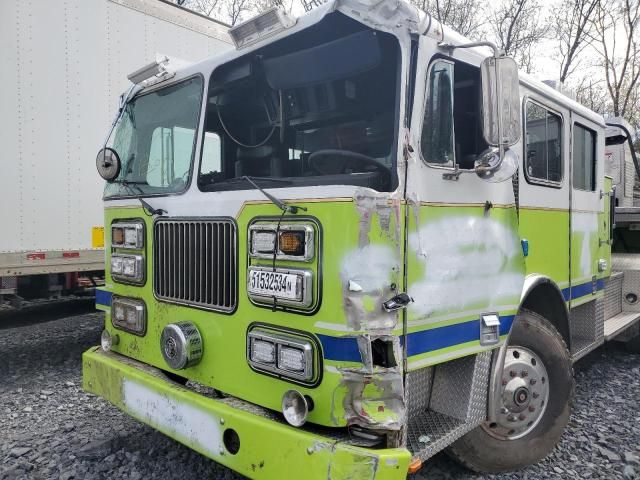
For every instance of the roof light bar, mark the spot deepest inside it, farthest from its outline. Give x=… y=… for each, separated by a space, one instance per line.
x=261 y=26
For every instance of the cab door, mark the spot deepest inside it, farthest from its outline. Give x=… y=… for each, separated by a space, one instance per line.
x=589 y=238
x=464 y=259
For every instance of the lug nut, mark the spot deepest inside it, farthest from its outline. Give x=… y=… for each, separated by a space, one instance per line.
x=512 y=373
x=532 y=408
x=524 y=373
x=522 y=416
x=536 y=394
x=504 y=382
x=533 y=381
x=504 y=410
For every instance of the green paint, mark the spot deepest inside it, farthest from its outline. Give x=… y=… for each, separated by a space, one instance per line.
x=259 y=457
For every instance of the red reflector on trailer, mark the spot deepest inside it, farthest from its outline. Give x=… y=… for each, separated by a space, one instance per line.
x=36 y=256
x=70 y=254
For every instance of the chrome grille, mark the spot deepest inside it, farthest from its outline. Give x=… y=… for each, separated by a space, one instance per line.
x=195 y=262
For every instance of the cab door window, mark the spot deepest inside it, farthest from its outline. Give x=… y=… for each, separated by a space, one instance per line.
x=543 y=145
x=584 y=158
x=451 y=129
x=437 y=128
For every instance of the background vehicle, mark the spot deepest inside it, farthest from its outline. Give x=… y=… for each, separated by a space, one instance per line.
x=64 y=66
x=358 y=234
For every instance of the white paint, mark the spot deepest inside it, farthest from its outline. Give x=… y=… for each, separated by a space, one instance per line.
x=370 y=267
x=587 y=224
x=467 y=260
x=354 y=287
x=198 y=428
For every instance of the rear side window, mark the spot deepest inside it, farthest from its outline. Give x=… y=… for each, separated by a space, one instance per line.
x=543 y=145
x=584 y=158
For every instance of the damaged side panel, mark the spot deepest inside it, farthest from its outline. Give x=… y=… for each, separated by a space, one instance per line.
x=372 y=393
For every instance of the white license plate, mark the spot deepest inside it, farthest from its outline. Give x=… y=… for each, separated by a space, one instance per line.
x=274 y=284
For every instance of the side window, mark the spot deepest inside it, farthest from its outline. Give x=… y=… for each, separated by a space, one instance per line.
x=437 y=129
x=584 y=158
x=543 y=146
x=169 y=156
x=211 y=154
x=451 y=129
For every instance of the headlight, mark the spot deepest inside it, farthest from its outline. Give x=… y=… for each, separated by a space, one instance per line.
x=127 y=235
x=282 y=354
x=127 y=268
x=294 y=242
x=129 y=314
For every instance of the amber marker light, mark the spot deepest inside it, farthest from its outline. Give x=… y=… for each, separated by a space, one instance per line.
x=117 y=236
x=291 y=243
x=415 y=465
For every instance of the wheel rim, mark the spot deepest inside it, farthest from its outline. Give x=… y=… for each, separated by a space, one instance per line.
x=524 y=394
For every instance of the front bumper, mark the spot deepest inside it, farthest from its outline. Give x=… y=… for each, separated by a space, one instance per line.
x=268 y=448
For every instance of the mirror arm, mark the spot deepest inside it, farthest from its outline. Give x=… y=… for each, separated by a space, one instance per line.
x=497 y=53
x=124 y=99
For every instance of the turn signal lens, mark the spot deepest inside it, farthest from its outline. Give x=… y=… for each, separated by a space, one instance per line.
x=291 y=243
x=117 y=236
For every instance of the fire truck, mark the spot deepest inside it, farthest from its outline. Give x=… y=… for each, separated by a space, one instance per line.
x=354 y=241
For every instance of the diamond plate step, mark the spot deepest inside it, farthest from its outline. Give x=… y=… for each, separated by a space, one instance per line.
x=431 y=432
x=618 y=323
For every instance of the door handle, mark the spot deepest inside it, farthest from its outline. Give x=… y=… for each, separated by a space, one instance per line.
x=396 y=303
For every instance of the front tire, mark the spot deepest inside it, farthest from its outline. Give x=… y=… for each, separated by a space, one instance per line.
x=536 y=394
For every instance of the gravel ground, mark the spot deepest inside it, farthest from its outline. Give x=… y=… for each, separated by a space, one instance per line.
x=52 y=429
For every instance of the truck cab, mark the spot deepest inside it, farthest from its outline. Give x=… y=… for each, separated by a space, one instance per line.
x=352 y=242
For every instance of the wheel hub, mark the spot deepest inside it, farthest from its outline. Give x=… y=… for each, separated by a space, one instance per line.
x=524 y=395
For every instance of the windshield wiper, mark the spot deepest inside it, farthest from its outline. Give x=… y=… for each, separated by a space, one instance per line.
x=276 y=201
x=130 y=184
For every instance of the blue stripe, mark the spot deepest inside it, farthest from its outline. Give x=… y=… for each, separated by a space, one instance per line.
x=103 y=297
x=578 y=291
x=343 y=349
x=346 y=349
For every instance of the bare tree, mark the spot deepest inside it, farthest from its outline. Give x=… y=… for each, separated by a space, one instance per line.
x=572 y=25
x=617 y=26
x=463 y=16
x=518 y=29
x=210 y=8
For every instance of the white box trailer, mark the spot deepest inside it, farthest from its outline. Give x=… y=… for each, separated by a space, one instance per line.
x=63 y=65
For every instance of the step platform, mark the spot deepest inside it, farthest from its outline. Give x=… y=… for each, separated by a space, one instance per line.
x=619 y=323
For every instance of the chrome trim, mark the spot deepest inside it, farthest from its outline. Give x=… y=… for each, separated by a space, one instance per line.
x=195 y=262
x=280 y=340
x=309 y=244
x=138 y=226
x=140 y=277
x=139 y=305
x=306 y=295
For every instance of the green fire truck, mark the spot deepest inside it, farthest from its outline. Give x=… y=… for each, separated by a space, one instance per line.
x=354 y=241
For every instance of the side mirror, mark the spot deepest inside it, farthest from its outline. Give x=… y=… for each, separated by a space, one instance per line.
x=500 y=101
x=108 y=163
x=491 y=167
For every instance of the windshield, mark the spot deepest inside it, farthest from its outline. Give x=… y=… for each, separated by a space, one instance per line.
x=320 y=115
x=155 y=140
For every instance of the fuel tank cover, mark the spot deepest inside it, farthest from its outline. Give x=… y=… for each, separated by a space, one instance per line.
x=181 y=345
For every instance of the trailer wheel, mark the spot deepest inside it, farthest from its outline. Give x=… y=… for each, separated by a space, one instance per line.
x=536 y=394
